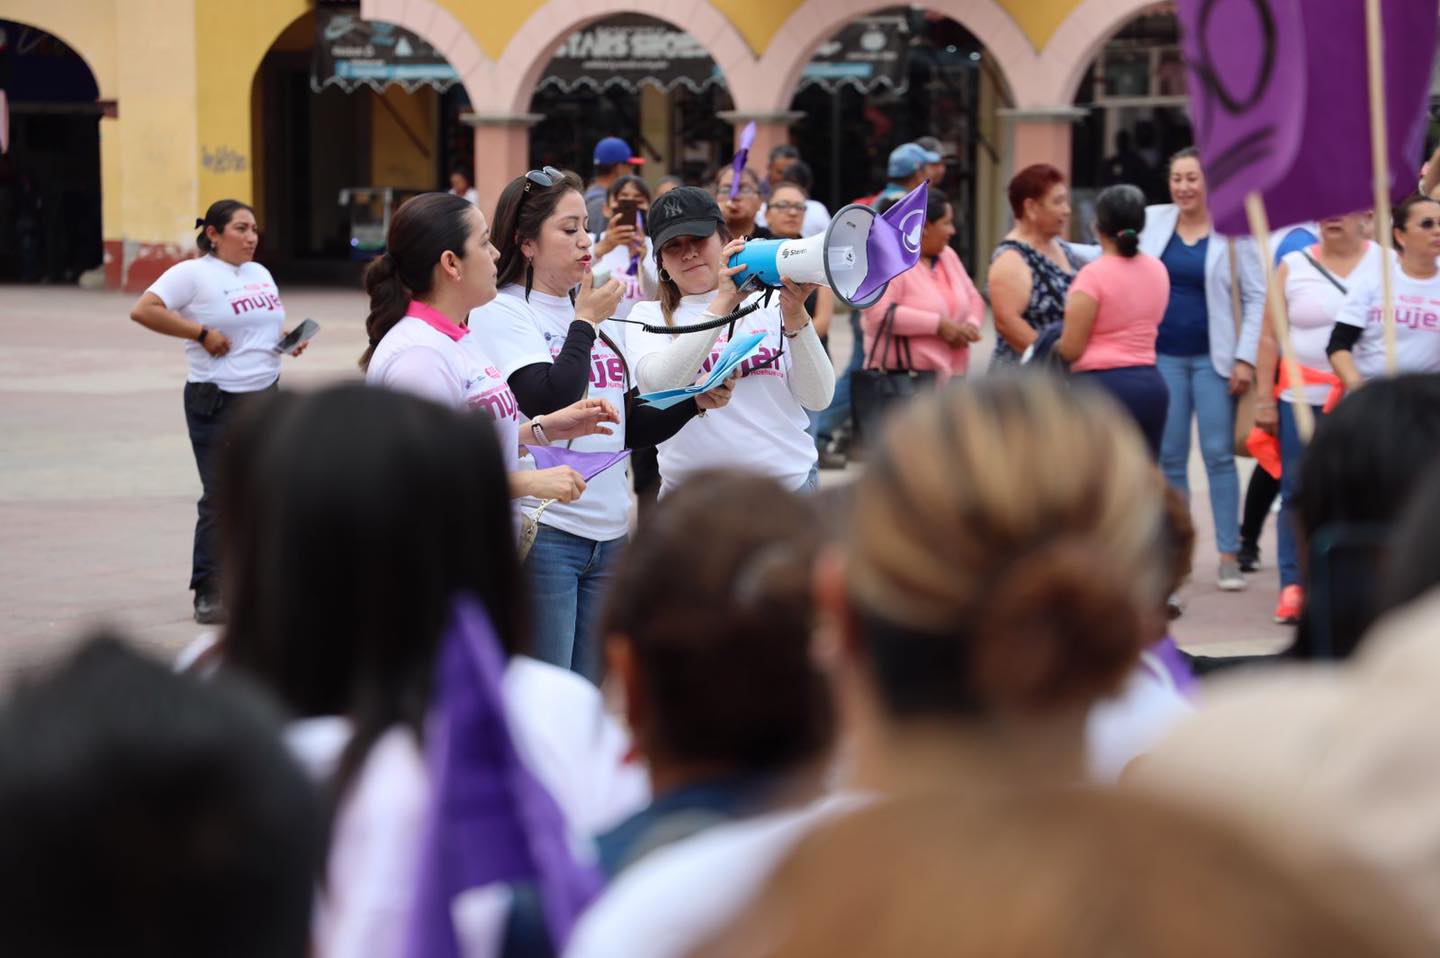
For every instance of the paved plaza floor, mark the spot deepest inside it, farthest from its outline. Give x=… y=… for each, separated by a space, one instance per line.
x=98 y=484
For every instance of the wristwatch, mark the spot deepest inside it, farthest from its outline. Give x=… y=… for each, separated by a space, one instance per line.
x=200 y=336
x=538 y=433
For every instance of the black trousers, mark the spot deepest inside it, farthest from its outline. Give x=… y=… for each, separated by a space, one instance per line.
x=207 y=410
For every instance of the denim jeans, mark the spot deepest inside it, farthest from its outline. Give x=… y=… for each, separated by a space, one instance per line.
x=207 y=410
x=836 y=417
x=1198 y=392
x=1292 y=450
x=1143 y=393
x=568 y=579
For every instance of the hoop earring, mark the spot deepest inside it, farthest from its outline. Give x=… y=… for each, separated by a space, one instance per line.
x=664 y=276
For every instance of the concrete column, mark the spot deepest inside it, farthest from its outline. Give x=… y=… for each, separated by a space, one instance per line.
x=502 y=151
x=1040 y=135
x=771 y=130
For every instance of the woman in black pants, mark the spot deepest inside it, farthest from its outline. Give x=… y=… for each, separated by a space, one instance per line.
x=227 y=307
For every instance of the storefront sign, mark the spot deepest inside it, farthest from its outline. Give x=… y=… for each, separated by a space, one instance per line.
x=350 y=51
x=869 y=53
x=628 y=50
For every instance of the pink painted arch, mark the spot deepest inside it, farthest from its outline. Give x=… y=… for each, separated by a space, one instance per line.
x=439 y=28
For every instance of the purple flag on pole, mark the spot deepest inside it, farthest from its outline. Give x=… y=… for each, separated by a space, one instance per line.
x=490 y=819
x=1278 y=97
x=747 y=137
x=588 y=464
x=894 y=243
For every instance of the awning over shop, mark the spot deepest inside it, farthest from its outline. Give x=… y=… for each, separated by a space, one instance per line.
x=869 y=53
x=628 y=50
x=350 y=52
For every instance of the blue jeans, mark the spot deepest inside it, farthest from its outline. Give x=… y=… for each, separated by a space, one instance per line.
x=1143 y=393
x=568 y=579
x=1292 y=450
x=836 y=417
x=1197 y=391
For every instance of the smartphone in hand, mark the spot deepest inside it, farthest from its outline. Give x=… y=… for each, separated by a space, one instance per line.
x=629 y=212
x=300 y=334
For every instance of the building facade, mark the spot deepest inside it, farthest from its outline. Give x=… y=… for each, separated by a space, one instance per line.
x=192 y=101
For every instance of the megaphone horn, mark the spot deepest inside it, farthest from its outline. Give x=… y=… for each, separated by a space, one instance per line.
x=856 y=257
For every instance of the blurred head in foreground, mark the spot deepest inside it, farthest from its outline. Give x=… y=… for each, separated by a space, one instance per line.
x=144 y=813
x=1006 y=564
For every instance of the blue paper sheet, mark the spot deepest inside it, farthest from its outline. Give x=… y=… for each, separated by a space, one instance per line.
x=735 y=353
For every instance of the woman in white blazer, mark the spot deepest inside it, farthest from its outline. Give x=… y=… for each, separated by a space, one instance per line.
x=1205 y=353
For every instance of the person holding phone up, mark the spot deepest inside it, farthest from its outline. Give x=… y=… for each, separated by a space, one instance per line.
x=622 y=250
x=227 y=306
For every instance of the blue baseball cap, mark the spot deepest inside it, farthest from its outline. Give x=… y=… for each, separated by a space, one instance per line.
x=612 y=150
x=907 y=158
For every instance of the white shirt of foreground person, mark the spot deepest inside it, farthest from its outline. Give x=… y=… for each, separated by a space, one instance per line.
x=762 y=430
x=427 y=355
x=520 y=333
x=563 y=735
x=239 y=301
x=680 y=896
x=1417 y=320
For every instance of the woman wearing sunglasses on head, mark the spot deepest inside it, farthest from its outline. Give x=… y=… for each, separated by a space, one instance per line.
x=763 y=428
x=438 y=265
x=548 y=333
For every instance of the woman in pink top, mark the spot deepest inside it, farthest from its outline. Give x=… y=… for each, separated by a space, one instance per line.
x=1113 y=314
x=937 y=309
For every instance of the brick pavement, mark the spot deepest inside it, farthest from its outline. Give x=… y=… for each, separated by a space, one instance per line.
x=98 y=486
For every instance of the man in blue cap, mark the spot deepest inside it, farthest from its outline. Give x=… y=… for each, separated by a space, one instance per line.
x=613 y=159
x=909 y=165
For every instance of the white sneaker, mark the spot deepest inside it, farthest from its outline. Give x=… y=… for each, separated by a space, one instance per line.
x=1229 y=578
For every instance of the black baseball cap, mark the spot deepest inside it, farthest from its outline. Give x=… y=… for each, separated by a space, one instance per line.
x=684 y=211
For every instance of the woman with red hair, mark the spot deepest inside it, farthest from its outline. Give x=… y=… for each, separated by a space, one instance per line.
x=1031 y=269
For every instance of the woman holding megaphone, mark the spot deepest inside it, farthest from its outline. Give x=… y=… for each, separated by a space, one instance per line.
x=762 y=430
x=549 y=332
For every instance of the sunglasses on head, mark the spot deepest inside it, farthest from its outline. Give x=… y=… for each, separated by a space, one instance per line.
x=543 y=177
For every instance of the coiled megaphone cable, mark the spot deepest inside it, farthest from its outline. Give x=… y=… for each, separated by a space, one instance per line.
x=729 y=318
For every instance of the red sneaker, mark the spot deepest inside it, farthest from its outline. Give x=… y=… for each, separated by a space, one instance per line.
x=1287 y=610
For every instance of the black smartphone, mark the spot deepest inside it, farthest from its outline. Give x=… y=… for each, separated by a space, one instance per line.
x=300 y=334
x=629 y=212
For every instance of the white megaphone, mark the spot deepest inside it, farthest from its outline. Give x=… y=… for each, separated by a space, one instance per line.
x=857 y=257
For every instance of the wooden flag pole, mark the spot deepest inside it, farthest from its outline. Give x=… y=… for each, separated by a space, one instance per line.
x=1380 y=161
x=1260 y=226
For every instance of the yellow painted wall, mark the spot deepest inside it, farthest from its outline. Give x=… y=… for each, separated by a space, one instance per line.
x=158 y=202
x=394 y=158
x=230 y=39
x=1039 y=19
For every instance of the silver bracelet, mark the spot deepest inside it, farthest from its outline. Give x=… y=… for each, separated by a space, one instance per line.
x=789 y=335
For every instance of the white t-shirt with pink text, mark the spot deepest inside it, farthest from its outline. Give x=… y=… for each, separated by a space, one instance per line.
x=1417 y=320
x=761 y=430
x=520 y=332
x=239 y=301
x=428 y=356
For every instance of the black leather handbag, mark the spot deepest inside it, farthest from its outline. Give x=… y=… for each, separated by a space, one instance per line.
x=878 y=386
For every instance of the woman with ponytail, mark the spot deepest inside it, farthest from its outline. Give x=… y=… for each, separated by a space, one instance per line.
x=438 y=265
x=1113 y=313
x=550 y=333
x=228 y=309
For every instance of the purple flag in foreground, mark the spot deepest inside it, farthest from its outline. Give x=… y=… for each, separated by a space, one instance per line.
x=1278 y=93
x=747 y=137
x=894 y=243
x=588 y=464
x=490 y=819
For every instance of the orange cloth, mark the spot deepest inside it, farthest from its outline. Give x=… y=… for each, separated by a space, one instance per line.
x=1265 y=447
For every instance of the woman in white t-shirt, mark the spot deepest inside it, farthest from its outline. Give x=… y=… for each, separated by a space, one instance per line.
x=550 y=335
x=1357 y=343
x=343 y=587
x=1315 y=281
x=762 y=430
x=227 y=306
x=438 y=265
x=622 y=251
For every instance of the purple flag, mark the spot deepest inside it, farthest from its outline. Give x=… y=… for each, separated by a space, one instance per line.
x=1278 y=96
x=747 y=137
x=490 y=819
x=588 y=464
x=894 y=243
